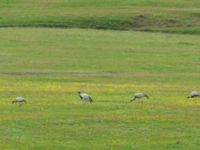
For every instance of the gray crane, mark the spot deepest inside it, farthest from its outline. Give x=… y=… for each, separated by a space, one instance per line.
x=138 y=96
x=85 y=97
x=19 y=100
x=193 y=94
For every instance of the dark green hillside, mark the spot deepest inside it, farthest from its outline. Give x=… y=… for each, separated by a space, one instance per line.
x=148 y=15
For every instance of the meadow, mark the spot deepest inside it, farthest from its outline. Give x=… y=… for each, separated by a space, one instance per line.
x=110 y=49
x=48 y=66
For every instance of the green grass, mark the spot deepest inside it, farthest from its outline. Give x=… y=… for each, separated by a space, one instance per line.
x=106 y=14
x=48 y=67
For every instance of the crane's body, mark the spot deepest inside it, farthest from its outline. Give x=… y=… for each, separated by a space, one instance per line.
x=193 y=94
x=85 y=97
x=19 y=100
x=139 y=96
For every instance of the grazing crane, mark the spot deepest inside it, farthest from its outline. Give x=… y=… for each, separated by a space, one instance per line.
x=19 y=100
x=85 y=97
x=193 y=94
x=138 y=96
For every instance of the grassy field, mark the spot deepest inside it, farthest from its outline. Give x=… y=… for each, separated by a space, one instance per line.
x=180 y=16
x=48 y=66
x=46 y=58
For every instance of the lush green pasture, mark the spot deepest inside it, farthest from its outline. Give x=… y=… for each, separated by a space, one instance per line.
x=48 y=67
x=106 y=14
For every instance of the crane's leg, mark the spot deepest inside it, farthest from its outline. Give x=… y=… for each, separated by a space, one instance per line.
x=20 y=104
x=142 y=103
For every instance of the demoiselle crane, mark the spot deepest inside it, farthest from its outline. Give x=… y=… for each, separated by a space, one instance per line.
x=85 y=97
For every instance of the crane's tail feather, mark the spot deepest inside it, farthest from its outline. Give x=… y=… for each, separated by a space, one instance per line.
x=91 y=100
x=146 y=96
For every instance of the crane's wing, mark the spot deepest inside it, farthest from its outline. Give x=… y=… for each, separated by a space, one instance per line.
x=84 y=95
x=19 y=99
x=194 y=93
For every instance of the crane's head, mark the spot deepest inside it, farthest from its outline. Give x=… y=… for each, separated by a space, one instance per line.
x=13 y=102
x=79 y=92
